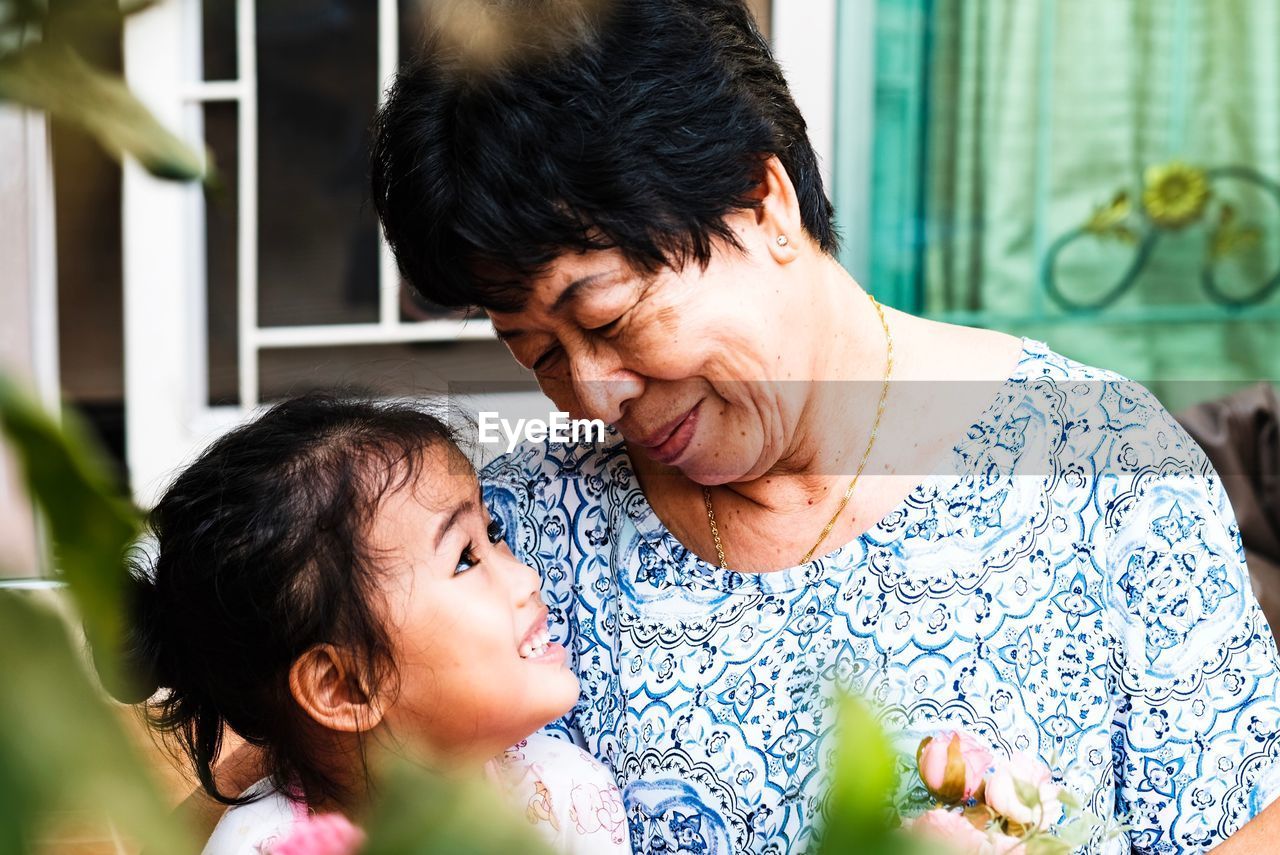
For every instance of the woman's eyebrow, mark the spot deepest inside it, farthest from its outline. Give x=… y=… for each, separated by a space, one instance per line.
x=579 y=286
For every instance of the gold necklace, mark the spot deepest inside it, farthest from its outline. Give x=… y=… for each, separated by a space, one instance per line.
x=875 y=427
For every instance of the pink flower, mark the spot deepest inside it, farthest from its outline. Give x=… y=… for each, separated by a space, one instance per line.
x=326 y=834
x=952 y=765
x=1027 y=773
x=961 y=836
x=953 y=830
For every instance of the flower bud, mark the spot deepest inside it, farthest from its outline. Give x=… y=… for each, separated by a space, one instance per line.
x=1021 y=790
x=952 y=765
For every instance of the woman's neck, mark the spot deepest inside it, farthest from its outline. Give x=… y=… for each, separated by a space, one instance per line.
x=845 y=378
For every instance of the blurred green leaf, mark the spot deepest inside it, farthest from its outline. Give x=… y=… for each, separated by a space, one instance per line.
x=52 y=77
x=71 y=20
x=1068 y=799
x=61 y=745
x=418 y=812
x=20 y=804
x=18 y=13
x=1028 y=794
x=859 y=816
x=1044 y=844
x=90 y=523
x=1078 y=831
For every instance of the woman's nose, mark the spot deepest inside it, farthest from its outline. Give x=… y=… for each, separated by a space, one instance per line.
x=602 y=386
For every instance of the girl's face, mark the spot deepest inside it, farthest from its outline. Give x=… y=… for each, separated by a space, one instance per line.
x=477 y=671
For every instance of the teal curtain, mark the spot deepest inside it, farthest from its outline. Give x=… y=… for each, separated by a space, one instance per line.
x=1004 y=127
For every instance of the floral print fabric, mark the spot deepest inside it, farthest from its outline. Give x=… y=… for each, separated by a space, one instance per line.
x=1075 y=588
x=564 y=794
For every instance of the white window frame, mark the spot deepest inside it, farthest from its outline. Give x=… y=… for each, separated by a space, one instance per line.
x=167 y=417
x=807 y=35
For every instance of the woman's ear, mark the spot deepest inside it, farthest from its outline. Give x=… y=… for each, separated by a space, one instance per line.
x=323 y=682
x=777 y=214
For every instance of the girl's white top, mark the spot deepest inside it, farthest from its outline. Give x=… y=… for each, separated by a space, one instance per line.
x=561 y=790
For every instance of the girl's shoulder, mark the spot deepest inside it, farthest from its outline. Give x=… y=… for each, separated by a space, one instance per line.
x=566 y=794
x=256 y=827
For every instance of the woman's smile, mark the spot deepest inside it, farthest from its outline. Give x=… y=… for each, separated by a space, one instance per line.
x=667 y=444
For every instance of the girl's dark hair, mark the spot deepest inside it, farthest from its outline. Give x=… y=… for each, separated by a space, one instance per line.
x=260 y=552
x=639 y=128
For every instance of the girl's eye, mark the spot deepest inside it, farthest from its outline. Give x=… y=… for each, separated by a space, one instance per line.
x=465 y=562
x=497 y=531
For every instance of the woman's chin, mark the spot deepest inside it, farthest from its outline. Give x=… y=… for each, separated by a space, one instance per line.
x=712 y=469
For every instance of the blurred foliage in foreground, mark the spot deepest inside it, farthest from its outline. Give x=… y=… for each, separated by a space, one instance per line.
x=45 y=72
x=63 y=747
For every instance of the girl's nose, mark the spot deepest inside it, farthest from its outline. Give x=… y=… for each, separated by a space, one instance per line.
x=523 y=581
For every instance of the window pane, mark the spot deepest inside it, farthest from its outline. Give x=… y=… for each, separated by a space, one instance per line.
x=317 y=90
x=412 y=29
x=222 y=248
x=218 y=38
x=412 y=370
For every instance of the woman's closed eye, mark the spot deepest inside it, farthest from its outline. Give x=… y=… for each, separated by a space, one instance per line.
x=547 y=360
x=610 y=328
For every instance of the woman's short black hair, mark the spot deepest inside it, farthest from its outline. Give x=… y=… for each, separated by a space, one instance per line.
x=640 y=128
x=259 y=553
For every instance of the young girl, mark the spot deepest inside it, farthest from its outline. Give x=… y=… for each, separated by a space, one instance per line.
x=327 y=577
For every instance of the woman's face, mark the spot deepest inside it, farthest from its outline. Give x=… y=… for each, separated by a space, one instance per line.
x=477 y=671
x=699 y=368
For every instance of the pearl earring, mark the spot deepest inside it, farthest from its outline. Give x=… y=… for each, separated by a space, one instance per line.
x=782 y=240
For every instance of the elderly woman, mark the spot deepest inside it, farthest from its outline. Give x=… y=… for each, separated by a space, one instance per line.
x=804 y=488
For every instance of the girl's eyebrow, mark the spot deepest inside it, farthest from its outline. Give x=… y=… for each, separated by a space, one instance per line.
x=454 y=514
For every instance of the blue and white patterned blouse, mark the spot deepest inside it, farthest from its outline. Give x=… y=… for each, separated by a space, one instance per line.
x=1076 y=588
